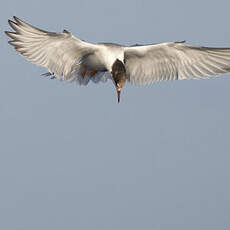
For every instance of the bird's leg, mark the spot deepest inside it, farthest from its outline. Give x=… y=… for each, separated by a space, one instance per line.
x=93 y=73
x=84 y=72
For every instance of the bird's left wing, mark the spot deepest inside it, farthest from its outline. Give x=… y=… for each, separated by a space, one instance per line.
x=58 y=52
x=174 y=61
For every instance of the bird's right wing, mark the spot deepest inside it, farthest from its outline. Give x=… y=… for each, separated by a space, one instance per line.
x=174 y=61
x=58 y=52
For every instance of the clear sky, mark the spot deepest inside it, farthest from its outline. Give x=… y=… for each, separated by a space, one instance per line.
x=72 y=158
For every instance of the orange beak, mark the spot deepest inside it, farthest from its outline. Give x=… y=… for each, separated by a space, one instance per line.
x=118 y=94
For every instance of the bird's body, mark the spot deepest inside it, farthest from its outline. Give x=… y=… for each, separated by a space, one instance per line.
x=103 y=59
x=69 y=58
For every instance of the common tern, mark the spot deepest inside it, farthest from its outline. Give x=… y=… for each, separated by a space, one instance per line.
x=68 y=58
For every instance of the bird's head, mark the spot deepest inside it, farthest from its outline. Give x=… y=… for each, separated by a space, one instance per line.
x=118 y=76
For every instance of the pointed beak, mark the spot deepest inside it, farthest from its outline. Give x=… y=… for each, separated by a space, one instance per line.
x=118 y=94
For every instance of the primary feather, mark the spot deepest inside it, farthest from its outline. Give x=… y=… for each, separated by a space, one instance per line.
x=58 y=52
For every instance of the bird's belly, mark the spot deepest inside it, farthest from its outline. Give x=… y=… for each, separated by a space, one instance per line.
x=93 y=62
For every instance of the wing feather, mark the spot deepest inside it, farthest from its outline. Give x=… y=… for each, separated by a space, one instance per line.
x=58 y=52
x=174 y=61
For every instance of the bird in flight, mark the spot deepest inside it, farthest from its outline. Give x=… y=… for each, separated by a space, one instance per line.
x=68 y=58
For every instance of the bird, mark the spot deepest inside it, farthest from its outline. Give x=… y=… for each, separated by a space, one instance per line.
x=69 y=58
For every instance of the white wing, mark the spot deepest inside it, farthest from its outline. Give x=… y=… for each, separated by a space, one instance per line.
x=174 y=61
x=58 y=52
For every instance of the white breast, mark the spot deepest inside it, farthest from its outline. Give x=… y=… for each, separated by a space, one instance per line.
x=109 y=54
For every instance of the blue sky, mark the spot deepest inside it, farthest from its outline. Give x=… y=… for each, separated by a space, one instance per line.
x=72 y=158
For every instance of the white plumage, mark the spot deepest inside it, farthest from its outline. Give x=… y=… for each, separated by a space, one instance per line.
x=69 y=58
x=174 y=61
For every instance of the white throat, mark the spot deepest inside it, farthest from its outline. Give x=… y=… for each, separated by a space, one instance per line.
x=111 y=54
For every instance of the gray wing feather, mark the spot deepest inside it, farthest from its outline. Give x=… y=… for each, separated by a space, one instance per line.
x=174 y=61
x=58 y=52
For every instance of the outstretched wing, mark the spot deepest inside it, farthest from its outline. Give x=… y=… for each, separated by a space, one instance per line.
x=60 y=53
x=174 y=61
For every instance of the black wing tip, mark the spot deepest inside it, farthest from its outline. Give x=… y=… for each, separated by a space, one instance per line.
x=11 y=34
x=66 y=31
x=10 y=42
x=7 y=33
x=12 y=23
x=15 y=18
x=18 y=20
x=15 y=45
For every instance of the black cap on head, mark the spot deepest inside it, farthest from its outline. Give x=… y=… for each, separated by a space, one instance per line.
x=118 y=71
x=119 y=76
